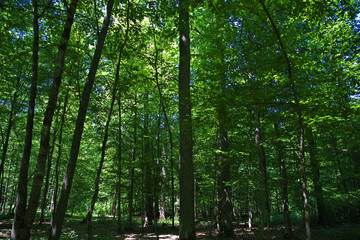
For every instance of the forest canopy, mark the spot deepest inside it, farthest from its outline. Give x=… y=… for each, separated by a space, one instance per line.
x=178 y=112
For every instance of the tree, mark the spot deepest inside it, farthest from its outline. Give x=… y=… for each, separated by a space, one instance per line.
x=68 y=178
x=186 y=174
x=25 y=217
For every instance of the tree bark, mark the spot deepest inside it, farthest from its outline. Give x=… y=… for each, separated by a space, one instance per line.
x=74 y=152
x=186 y=177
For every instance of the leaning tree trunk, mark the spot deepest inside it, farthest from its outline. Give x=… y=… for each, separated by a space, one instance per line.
x=106 y=135
x=300 y=122
x=21 y=227
x=186 y=177
x=74 y=152
x=47 y=181
x=46 y=127
x=57 y=163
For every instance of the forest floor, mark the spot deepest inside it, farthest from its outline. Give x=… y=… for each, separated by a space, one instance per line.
x=105 y=228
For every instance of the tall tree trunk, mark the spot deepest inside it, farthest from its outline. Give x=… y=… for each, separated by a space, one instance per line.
x=170 y=135
x=284 y=185
x=157 y=175
x=57 y=163
x=106 y=135
x=315 y=169
x=74 y=152
x=47 y=181
x=7 y=140
x=262 y=180
x=19 y=219
x=186 y=177
x=224 y=188
x=147 y=166
x=249 y=198
x=163 y=184
x=118 y=172
x=47 y=122
x=5 y=193
x=300 y=123
x=132 y=167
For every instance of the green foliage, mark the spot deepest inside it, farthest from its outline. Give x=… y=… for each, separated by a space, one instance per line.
x=236 y=68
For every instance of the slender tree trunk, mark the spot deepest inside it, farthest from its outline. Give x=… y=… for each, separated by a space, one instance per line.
x=47 y=181
x=102 y=159
x=19 y=219
x=132 y=167
x=225 y=204
x=22 y=231
x=47 y=122
x=157 y=173
x=7 y=140
x=57 y=163
x=74 y=152
x=5 y=193
x=106 y=135
x=186 y=177
x=262 y=180
x=118 y=172
x=284 y=185
x=7 y=136
x=13 y=193
x=315 y=169
x=147 y=167
x=300 y=123
x=170 y=137
x=249 y=198
x=163 y=184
